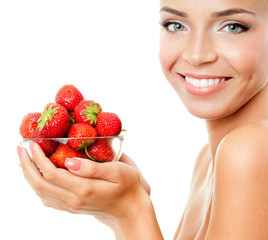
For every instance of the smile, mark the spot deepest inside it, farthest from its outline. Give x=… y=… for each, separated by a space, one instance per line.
x=203 y=83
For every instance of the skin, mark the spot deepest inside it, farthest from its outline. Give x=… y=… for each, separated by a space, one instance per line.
x=228 y=194
x=114 y=192
x=229 y=167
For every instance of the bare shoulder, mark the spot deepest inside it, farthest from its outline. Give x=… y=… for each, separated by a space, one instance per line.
x=247 y=145
x=240 y=195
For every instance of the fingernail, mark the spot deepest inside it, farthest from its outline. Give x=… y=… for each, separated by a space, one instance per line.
x=32 y=146
x=19 y=151
x=73 y=164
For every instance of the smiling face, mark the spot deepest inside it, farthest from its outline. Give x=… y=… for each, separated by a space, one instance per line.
x=214 y=52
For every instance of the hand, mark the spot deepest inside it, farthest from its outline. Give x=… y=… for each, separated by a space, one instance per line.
x=129 y=161
x=113 y=192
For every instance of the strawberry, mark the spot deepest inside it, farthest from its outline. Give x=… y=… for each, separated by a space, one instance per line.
x=69 y=96
x=54 y=122
x=101 y=151
x=48 y=146
x=108 y=124
x=62 y=152
x=86 y=112
x=29 y=124
x=81 y=130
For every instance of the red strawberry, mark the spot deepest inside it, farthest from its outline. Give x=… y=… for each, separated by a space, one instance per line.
x=48 y=146
x=62 y=152
x=69 y=96
x=108 y=124
x=101 y=150
x=86 y=112
x=29 y=124
x=81 y=130
x=54 y=122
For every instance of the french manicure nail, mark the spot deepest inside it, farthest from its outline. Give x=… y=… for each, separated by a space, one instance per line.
x=32 y=146
x=73 y=164
x=19 y=151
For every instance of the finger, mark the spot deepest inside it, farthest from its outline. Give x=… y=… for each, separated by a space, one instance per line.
x=39 y=157
x=27 y=164
x=86 y=189
x=126 y=159
x=69 y=209
x=77 y=184
x=90 y=169
x=37 y=181
x=55 y=206
x=59 y=204
x=57 y=176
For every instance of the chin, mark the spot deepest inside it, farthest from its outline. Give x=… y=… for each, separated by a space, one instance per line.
x=210 y=113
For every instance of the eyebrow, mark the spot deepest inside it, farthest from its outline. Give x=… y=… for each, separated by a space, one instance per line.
x=223 y=13
x=231 y=11
x=174 y=11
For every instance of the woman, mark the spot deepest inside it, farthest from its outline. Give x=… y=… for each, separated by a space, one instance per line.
x=214 y=53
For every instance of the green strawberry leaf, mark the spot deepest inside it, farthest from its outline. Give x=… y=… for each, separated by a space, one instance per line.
x=85 y=144
x=91 y=112
x=72 y=121
x=47 y=114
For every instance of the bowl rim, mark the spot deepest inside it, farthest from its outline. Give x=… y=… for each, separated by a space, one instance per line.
x=25 y=140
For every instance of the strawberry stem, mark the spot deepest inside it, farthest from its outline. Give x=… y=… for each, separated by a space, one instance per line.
x=72 y=121
x=47 y=114
x=91 y=158
x=86 y=144
x=91 y=112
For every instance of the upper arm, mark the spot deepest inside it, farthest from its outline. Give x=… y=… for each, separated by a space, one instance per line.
x=240 y=197
x=179 y=227
x=197 y=164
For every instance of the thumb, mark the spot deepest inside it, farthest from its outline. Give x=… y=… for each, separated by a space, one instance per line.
x=89 y=169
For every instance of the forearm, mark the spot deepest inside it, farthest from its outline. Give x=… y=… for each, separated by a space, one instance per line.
x=143 y=225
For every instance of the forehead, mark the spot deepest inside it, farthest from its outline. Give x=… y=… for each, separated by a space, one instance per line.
x=258 y=6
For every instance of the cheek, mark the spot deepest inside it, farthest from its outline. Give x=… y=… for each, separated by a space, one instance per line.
x=164 y=55
x=249 y=57
x=168 y=55
x=259 y=55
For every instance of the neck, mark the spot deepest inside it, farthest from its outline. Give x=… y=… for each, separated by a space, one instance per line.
x=254 y=110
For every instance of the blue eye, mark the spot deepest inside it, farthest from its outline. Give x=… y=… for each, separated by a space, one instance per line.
x=235 y=28
x=173 y=26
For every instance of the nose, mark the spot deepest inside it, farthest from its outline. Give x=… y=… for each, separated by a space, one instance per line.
x=200 y=49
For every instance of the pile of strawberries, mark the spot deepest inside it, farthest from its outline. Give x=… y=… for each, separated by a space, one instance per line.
x=71 y=116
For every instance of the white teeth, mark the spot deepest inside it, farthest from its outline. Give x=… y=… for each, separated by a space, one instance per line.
x=210 y=82
x=196 y=83
x=202 y=83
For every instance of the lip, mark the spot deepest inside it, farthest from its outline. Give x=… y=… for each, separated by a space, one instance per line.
x=201 y=76
x=206 y=90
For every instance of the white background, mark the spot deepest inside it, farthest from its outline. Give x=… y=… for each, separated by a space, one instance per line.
x=108 y=50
